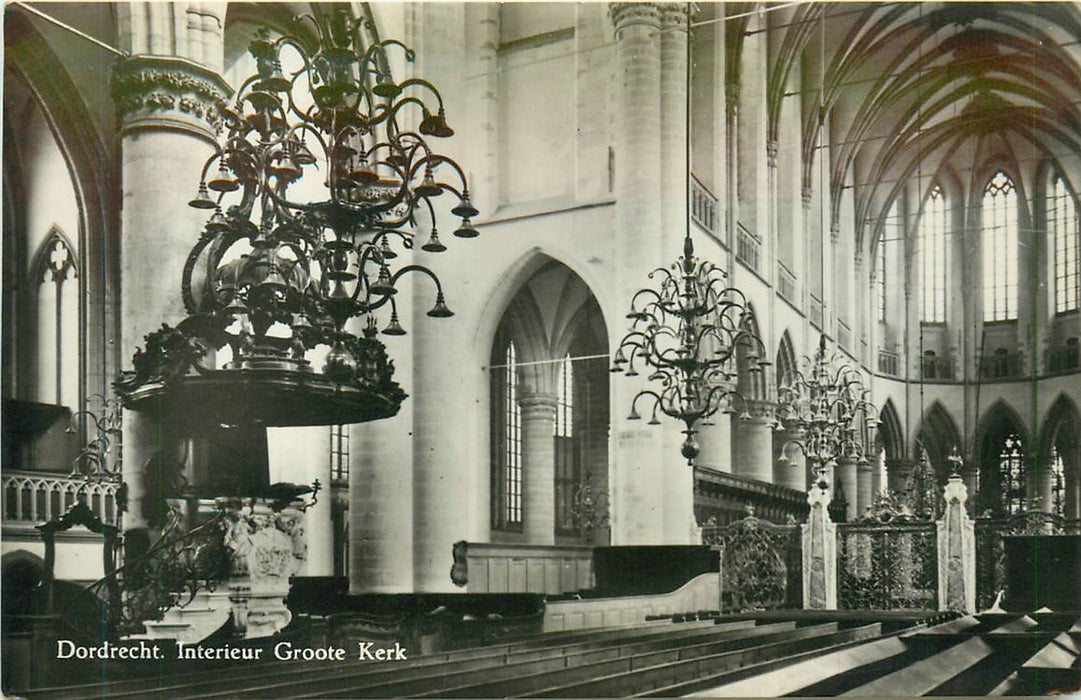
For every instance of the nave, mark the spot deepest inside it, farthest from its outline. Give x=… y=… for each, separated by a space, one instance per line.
x=704 y=654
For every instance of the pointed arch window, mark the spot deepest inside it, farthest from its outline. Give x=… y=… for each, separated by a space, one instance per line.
x=891 y=231
x=1011 y=470
x=999 y=251
x=57 y=311
x=1063 y=224
x=566 y=448
x=506 y=440
x=932 y=242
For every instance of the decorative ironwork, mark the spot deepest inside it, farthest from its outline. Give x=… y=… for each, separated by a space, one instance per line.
x=761 y=564
x=887 y=567
x=100 y=421
x=687 y=332
x=991 y=552
x=827 y=406
x=590 y=509
x=169 y=574
x=272 y=276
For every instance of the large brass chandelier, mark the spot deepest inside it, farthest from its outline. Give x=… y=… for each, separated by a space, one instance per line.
x=315 y=195
x=686 y=333
x=826 y=405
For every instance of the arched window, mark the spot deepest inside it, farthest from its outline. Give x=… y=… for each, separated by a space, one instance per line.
x=1011 y=470
x=892 y=231
x=999 y=249
x=932 y=242
x=1062 y=224
x=506 y=441
x=57 y=322
x=566 y=448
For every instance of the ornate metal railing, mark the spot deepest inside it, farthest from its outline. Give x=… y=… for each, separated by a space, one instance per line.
x=168 y=574
x=760 y=563
x=991 y=553
x=703 y=206
x=34 y=497
x=1063 y=360
x=1003 y=365
x=786 y=283
x=887 y=567
x=888 y=363
x=747 y=247
x=934 y=367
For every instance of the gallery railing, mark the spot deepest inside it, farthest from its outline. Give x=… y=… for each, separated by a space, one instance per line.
x=890 y=566
x=34 y=497
x=991 y=554
x=760 y=564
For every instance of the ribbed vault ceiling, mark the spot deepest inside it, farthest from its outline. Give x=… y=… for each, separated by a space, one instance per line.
x=919 y=89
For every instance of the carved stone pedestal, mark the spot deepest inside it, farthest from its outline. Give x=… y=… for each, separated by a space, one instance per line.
x=266 y=547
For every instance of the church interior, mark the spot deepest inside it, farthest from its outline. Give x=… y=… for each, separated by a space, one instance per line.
x=541 y=349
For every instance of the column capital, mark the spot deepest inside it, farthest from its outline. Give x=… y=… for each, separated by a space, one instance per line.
x=864 y=468
x=835 y=231
x=159 y=92
x=674 y=14
x=538 y=405
x=628 y=14
x=806 y=195
x=771 y=153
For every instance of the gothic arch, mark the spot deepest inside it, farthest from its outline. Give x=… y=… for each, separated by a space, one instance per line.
x=938 y=435
x=1063 y=422
x=998 y=423
x=751 y=384
x=890 y=433
x=785 y=362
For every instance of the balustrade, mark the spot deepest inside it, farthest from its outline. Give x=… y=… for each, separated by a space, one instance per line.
x=786 y=283
x=703 y=206
x=748 y=246
x=35 y=497
x=888 y=363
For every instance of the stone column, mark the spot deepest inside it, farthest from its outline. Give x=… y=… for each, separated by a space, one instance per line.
x=956 y=551
x=1042 y=493
x=899 y=474
x=637 y=454
x=168 y=108
x=793 y=472
x=970 y=475
x=538 y=467
x=753 y=446
x=865 y=491
x=845 y=477
x=819 y=537
x=715 y=439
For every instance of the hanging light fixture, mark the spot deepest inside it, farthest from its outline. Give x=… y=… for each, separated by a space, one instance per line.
x=826 y=404
x=314 y=193
x=685 y=334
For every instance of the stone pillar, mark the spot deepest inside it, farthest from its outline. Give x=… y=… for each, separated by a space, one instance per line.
x=302 y=455
x=637 y=453
x=753 y=447
x=956 y=551
x=845 y=477
x=381 y=503
x=819 y=536
x=793 y=472
x=677 y=484
x=538 y=467
x=970 y=476
x=168 y=109
x=899 y=474
x=1042 y=493
x=865 y=491
x=715 y=439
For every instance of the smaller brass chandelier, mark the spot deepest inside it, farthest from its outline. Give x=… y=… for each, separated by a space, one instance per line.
x=826 y=404
x=685 y=334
